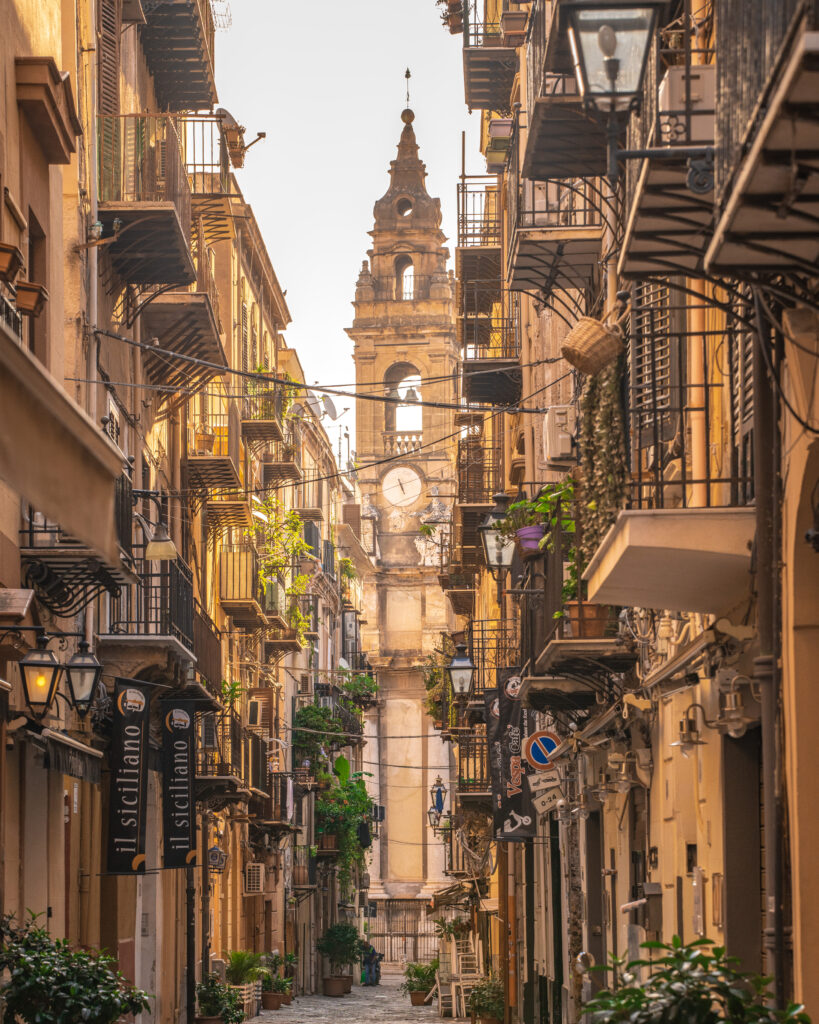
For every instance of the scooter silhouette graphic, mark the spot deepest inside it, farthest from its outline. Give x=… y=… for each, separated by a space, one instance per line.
x=520 y=821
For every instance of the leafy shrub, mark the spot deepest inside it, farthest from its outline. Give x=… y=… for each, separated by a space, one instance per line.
x=419 y=977
x=690 y=984
x=487 y=999
x=51 y=983
x=341 y=944
x=243 y=966
x=219 y=1000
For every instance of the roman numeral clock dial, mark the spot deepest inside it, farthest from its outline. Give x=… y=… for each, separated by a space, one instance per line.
x=401 y=486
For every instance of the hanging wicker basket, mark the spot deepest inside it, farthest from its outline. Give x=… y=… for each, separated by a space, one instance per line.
x=591 y=345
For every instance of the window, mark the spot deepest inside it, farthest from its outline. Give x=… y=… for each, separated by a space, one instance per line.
x=403 y=207
x=404 y=413
x=404 y=279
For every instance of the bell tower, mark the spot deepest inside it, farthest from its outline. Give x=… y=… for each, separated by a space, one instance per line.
x=405 y=352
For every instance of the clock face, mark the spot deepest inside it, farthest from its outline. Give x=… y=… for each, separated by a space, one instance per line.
x=401 y=486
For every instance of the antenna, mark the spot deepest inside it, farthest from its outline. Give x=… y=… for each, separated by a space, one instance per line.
x=408 y=76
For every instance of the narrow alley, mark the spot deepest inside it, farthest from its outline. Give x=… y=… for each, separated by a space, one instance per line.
x=362 y=1005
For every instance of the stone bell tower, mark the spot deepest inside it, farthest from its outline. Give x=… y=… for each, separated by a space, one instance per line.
x=406 y=351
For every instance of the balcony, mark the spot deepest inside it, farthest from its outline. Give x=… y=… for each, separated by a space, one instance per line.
x=178 y=42
x=241 y=592
x=563 y=140
x=208 y=159
x=769 y=196
x=555 y=232
x=262 y=412
x=489 y=66
x=214 y=454
x=303 y=869
x=669 y=199
x=10 y=320
x=67 y=574
x=480 y=476
x=351 y=723
x=220 y=760
x=187 y=324
x=488 y=335
x=473 y=784
x=145 y=201
x=275 y=603
x=310 y=497
x=478 y=253
x=152 y=618
x=274 y=811
x=456 y=580
x=493 y=644
x=283 y=463
x=280 y=641
x=207 y=646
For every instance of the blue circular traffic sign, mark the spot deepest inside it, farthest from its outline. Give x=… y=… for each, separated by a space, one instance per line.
x=538 y=748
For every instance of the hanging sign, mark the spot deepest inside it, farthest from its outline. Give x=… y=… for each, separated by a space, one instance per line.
x=178 y=817
x=128 y=788
x=507 y=731
x=547 y=799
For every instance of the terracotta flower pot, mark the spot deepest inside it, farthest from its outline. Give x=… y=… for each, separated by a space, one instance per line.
x=348 y=983
x=418 y=998
x=594 y=622
x=271 y=1000
x=528 y=540
x=208 y=1020
x=333 y=987
x=11 y=262
x=30 y=298
x=287 y=998
x=489 y=1020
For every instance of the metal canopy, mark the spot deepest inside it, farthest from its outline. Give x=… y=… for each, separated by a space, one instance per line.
x=771 y=218
x=542 y=259
x=669 y=226
x=185 y=324
x=563 y=141
x=489 y=72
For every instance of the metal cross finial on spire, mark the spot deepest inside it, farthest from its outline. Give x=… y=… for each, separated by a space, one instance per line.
x=408 y=76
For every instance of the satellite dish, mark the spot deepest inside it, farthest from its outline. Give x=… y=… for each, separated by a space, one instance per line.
x=329 y=407
x=313 y=404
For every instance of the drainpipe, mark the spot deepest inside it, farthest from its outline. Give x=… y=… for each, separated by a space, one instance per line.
x=766 y=671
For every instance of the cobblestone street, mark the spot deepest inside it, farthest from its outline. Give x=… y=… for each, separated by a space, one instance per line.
x=383 y=1003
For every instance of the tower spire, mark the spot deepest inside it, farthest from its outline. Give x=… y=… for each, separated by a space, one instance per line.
x=408 y=76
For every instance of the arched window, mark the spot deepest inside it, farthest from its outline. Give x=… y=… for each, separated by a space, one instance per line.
x=404 y=279
x=405 y=415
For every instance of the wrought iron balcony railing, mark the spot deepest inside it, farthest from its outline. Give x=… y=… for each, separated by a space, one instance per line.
x=304 y=868
x=473 y=765
x=10 y=318
x=207 y=646
x=479 y=471
x=492 y=644
x=179 y=41
x=214 y=442
x=479 y=213
x=489 y=66
x=220 y=751
x=159 y=604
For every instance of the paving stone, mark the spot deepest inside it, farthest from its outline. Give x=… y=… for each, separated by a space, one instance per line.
x=362 y=1006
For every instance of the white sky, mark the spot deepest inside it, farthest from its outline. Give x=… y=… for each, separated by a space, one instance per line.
x=325 y=80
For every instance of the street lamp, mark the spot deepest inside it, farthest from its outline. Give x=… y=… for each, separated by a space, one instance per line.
x=158 y=543
x=610 y=41
x=498 y=550
x=437 y=794
x=83 y=672
x=434 y=816
x=41 y=673
x=461 y=670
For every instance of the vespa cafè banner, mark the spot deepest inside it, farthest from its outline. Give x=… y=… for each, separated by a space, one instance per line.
x=507 y=728
x=178 y=820
x=128 y=792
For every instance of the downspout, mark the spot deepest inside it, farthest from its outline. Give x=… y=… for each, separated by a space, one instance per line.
x=766 y=671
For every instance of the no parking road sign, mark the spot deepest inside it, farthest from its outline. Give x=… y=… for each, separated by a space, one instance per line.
x=538 y=748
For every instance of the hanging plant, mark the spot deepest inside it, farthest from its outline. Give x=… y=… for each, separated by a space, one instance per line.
x=342 y=811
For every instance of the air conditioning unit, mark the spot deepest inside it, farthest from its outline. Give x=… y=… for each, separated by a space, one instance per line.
x=254 y=879
x=255 y=710
x=304 y=684
x=701 y=81
x=559 y=429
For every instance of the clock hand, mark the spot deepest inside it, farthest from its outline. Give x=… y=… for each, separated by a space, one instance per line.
x=400 y=484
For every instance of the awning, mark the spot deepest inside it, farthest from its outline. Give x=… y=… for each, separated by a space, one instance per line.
x=53 y=454
x=68 y=756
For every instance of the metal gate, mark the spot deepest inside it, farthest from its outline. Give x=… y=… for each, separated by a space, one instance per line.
x=402 y=931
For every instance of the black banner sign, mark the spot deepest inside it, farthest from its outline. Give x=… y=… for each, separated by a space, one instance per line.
x=129 y=778
x=178 y=818
x=507 y=728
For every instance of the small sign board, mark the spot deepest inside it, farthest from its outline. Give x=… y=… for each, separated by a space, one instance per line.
x=547 y=800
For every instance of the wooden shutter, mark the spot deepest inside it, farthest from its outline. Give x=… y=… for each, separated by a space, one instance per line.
x=109 y=13
x=265 y=698
x=654 y=365
x=351 y=513
x=245 y=366
x=742 y=403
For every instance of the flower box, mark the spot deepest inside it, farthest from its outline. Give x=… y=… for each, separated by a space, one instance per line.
x=11 y=262
x=30 y=298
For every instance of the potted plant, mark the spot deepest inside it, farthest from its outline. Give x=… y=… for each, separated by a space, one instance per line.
x=340 y=944
x=218 y=1003
x=419 y=979
x=290 y=963
x=271 y=996
x=47 y=980
x=692 y=984
x=486 y=1001
x=286 y=988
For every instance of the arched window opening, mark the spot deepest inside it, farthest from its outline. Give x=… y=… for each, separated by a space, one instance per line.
x=404 y=207
x=404 y=279
x=404 y=414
